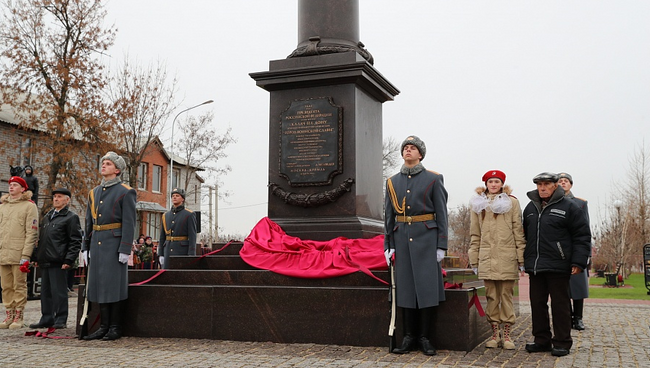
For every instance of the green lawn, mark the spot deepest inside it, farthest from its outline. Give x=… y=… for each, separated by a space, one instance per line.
x=638 y=290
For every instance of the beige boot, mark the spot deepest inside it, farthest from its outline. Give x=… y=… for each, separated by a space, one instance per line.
x=507 y=342
x=494 y=340
x=9 y=320
x=18 y=320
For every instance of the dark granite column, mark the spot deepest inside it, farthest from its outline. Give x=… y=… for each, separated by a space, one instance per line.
x=325 y=124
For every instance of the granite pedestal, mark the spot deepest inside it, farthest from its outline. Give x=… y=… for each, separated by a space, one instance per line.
x=220 y=297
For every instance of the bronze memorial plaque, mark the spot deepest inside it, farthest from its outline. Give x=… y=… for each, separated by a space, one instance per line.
x=311 y=142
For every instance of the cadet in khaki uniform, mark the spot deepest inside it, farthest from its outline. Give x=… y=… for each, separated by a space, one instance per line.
x=110 y=225
x=18 y=234
x=178 y=235
x=416 y=233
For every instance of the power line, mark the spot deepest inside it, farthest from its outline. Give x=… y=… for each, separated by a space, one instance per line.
x=248 y=205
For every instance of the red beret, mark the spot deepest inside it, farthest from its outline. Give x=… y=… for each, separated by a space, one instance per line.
x=494 y=174
x=19 y=180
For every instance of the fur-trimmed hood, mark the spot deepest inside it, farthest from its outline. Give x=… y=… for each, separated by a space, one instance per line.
x=26 y=196
x=506 y=189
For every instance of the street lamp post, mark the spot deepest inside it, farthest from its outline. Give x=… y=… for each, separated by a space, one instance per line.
x=171 y=159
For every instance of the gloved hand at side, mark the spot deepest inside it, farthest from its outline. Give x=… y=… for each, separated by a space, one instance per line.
x=84 y=257
x=388 y=253
x=123 y=258
x=161 y=259
x=440 y=253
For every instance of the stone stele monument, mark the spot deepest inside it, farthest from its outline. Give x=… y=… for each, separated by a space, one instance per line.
x=325 y=128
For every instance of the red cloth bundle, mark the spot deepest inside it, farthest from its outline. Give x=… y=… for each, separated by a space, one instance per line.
x=269 y=247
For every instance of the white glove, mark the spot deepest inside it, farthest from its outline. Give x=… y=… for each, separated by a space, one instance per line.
x=522 y=268
x=440 y=254
x=388 y=253
x=22 y=261
x=123 y=258
x=84 y=256
x=161 y=259
x=475 y=270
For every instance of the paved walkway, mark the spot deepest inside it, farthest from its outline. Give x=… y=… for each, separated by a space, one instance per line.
x=617 y=335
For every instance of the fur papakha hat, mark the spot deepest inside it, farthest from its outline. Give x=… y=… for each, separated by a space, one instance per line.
x=116 y=159
x=417 y=142
x=178 y=191
x=566 y=176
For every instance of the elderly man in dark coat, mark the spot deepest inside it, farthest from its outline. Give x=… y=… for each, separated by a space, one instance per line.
x=416 y=233
x=58 y=249
x=579 y=283
x=178 y=235
x=110 y=223
x=558 y=243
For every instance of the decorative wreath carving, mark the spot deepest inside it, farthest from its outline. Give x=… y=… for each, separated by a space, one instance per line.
x=311 y=200
x=313 y=48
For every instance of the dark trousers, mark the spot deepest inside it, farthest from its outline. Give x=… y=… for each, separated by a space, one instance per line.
x=556 y=286
x=54 y=295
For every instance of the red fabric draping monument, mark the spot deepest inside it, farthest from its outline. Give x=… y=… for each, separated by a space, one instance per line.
x=268 y=247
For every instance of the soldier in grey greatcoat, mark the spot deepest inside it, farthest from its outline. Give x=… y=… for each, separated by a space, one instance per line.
x=110 y=225
x=578 y=284
x=416 y=233
x=178 y=235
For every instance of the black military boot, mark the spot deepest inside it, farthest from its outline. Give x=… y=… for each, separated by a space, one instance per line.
x=425 y=315
x=115 y=329
x=578 y=306
x=409 y=317
x=104 y=315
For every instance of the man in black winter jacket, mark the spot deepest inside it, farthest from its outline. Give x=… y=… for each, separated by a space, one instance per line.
x=32 y=182
x=558 y=244
x=58 y=248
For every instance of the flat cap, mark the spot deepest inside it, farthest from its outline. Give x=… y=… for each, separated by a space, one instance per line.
x=545 y=176
x=64 y=191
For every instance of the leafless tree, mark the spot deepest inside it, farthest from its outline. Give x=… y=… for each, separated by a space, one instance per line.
x=142 y=99
x=621 y=236
x=53 y=79
x=459 y=234
x=390 y=157
x=202 y=147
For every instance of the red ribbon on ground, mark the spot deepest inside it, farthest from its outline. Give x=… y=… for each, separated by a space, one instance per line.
x=46 y=334
x=477 y=303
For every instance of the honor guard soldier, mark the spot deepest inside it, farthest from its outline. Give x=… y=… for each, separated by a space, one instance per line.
x=178 y=235
x=416 y=233
x=110 y=225
x=579 y=283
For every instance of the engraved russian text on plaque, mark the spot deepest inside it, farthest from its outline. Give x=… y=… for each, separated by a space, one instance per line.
x=311 y=142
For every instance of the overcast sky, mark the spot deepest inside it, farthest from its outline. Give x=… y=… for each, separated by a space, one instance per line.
x=519 y=86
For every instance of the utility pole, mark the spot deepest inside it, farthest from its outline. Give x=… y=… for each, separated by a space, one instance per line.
x=210 y=215
x=216 y=211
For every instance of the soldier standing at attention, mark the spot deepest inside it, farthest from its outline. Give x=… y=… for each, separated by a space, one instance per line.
x=416 y=233
x=178 y=235
x=579 y=283
x=110 y=225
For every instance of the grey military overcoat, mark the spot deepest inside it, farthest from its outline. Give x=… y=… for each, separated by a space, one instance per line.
x=107 y=277
x=579 y=284
x=178 y=222
x=418 y=275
